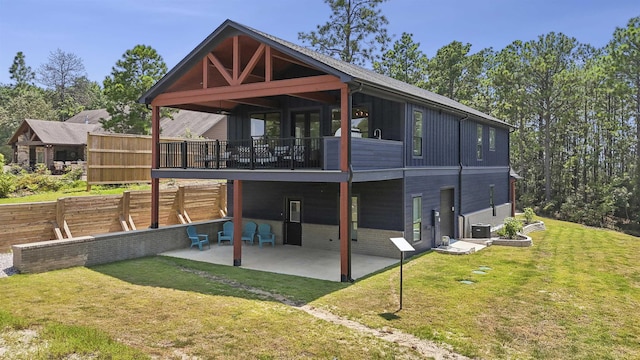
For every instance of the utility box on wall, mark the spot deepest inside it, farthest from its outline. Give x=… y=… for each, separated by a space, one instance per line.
x=480 y=231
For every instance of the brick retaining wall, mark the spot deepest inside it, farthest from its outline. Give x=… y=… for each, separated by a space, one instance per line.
x=106 y=248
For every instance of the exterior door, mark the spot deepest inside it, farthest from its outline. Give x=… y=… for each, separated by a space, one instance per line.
x=306 y=131
x=447 y=211
x=293 y=222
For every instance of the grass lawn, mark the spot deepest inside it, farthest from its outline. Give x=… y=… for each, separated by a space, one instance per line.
x=79 y=190
x=152 y=308
x=573 y=295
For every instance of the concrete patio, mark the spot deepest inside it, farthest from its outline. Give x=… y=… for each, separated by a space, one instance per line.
x=288 y=259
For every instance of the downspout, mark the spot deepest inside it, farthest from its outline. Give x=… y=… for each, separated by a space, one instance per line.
x=460 y=166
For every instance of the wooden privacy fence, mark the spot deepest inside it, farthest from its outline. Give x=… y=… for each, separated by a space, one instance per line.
x=119 y=159
x=91 y=215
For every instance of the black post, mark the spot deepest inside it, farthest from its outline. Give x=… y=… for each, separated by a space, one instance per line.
x=217 y=150
x=401 y=261
x=184 y=154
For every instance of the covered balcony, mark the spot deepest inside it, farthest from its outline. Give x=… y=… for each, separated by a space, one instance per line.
x=319 y=153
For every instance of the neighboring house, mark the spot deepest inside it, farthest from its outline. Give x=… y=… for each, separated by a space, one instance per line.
x=414 y=163
x=43 y=142
x=49 y=142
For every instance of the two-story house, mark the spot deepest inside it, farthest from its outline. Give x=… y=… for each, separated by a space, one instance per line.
x=332 y=155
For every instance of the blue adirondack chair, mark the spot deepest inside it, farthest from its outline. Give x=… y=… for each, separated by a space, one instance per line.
x=197 y=239
x=249 y=232
x=227 y=233
x=265 y=235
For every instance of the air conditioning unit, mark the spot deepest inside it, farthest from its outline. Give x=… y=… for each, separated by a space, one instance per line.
x=445 y=241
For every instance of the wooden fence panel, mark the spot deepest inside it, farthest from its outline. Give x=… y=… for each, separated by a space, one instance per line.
x=119 y=158
x=91 y=215
x=26 y=223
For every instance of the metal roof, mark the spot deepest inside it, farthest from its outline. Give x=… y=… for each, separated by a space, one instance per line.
x=347 y=72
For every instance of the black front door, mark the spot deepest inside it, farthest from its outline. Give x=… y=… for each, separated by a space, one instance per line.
x=293 y=222
x=447 y=211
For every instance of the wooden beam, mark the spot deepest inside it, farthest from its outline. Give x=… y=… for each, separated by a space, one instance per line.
x=320 y=97
x=67 y=231
x=214 y=60
x=276 y=87
x=345 y=128
x=237 y=222
x=252 y=64
x=124 y=210
x=132 y=225
x=345 y=187
x=205 y=73
x=236 y=60
x=123 y=224
x=266 y=103
x=155 y=164
x=268 y=64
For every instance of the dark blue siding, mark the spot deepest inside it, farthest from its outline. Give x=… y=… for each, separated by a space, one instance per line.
x=440 y=138
x=380 y=202
x=499 y=157
x=429 y=188
x=476 y=184
x=365 y=154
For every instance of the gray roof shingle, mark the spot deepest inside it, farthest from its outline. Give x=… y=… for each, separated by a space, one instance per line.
x=347 y=72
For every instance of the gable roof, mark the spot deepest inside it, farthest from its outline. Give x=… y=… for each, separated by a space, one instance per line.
x=89 y=117
x=194 y=122
x=55 y=132
x=74 y=130
x=348 y=73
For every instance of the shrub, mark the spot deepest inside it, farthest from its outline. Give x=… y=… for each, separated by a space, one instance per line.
x=510 y=229
x=72 y=175
x=16 y=169
x=37 y=182
x=7 y=184
x=528 y=215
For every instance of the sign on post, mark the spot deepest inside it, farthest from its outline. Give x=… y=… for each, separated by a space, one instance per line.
x=403 y=245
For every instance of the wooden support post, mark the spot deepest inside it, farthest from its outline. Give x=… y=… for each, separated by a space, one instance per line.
x=61 y=222
x=222 y=200
x=124 y=210
x=345 y=187
x=237 y=222
x=180 y=201
x=155 y=164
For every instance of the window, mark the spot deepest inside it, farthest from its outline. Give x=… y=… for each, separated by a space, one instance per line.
x=417 y=133
x=492 y=139
x=39 y=155
x=417 y=218
x=265 y=124
x=354 y=218
x=479 y=143
x=359 y=120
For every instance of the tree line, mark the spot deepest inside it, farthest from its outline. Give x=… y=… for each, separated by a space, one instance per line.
x=59 y=89
x=574 y=107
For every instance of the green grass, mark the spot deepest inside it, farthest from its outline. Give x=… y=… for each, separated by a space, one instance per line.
x=573 y=295
x=155 y=307
x=79 y=190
